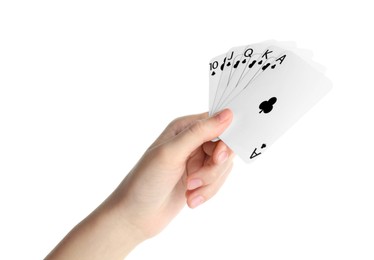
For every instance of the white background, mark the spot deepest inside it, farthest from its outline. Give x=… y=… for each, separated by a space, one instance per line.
x=86 y=86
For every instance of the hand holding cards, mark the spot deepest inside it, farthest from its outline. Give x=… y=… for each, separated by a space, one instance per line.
x=268 y=86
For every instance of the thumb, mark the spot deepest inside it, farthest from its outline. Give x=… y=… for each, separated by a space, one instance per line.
x=200 y=132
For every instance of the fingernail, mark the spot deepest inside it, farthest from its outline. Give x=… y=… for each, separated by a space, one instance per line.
x=222 y=157
x=194 y=183
x=198 y=200
x=223 y=115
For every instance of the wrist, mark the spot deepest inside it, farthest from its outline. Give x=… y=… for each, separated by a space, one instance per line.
x=119 y=226
x=101 y=235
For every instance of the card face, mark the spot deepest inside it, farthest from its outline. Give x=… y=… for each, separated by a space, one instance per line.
x=248 y=54
x=228 y=69
x=249 y=69
x=272 y=104
x=229 y=81
x=215 y=71
x=256 y=65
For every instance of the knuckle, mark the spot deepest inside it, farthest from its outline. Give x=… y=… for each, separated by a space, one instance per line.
x=177 y=125
x=214 y=175
x=173 y=124
x=197 y=128
x=175 y=121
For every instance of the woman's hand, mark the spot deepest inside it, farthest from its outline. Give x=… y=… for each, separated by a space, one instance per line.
x=181 y=166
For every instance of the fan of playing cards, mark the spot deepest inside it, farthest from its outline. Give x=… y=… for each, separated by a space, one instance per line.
x=268 y=86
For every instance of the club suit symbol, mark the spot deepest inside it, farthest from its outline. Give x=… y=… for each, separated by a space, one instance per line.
x=267 y=105
x=256 y=153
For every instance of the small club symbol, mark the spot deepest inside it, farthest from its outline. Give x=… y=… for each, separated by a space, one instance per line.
x=267 y=106
x=255 y=153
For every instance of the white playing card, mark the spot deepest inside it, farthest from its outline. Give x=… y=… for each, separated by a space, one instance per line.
x=242 y=68
x=272 y=104
x=217 y=66
x=255 y=67
x=214 y=76
x=227 y=70
x=249 y=53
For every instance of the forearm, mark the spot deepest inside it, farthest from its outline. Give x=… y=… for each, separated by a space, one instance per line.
x=104 y=234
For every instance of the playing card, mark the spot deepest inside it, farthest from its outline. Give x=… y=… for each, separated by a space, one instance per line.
x=249 y=53
x=256 y=66
x=272 y=104
x=226 y=68
x=215 y=70
x=240 y=68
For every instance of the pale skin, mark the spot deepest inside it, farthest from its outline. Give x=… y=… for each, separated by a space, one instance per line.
x=181 y=167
